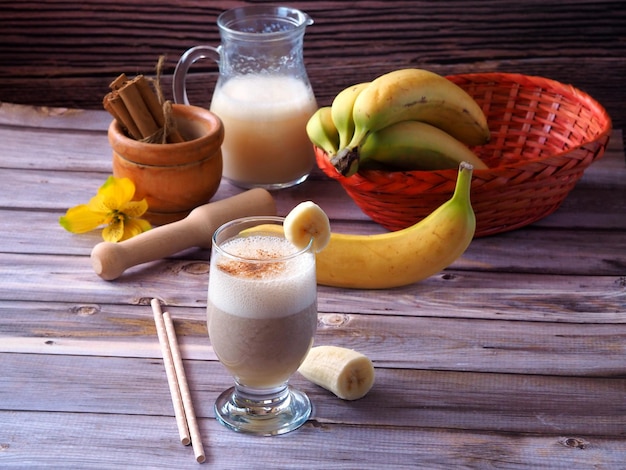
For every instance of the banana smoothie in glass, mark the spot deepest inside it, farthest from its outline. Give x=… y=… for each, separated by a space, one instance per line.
x=262 y=317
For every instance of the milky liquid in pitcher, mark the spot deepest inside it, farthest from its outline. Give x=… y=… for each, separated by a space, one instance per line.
x=264 y=117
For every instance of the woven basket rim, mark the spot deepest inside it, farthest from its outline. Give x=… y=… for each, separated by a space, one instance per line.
x=568 y=90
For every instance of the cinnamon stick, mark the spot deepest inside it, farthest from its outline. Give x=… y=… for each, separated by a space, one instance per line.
x=138 y=110
x=148 y=96
x=115 y=106
x=135 y=105
x=171 y=134
x=118 y=82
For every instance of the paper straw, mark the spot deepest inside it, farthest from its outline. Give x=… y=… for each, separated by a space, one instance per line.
x=170 y=371
x=190 y=414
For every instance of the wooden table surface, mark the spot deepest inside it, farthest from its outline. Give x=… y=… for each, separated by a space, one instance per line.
x=514 y=357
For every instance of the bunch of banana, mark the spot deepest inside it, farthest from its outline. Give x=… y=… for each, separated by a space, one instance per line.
x=390 y=259
x=408 y=119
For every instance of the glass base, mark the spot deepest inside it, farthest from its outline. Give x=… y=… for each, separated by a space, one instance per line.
x=266 y=413
x=268 y=186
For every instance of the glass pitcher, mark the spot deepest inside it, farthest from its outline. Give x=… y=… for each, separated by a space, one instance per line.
x=263 y=95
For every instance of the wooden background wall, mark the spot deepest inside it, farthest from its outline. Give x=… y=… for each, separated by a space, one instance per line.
x=66 y=52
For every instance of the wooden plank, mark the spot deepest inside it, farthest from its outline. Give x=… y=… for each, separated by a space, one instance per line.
x=71 y=119
x=544 y=247
x=54 y=192
x=50 y=190
x=183 y=282
x=598 y=253
x=449 y=336
x=434 y=399
x=345 y=23
x=96 y=441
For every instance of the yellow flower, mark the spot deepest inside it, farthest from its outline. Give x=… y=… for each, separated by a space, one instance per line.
x=112 y=206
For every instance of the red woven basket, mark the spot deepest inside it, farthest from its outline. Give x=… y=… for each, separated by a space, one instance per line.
x=544 y=134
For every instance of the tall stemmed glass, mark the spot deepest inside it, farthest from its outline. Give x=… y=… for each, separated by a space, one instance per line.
x=262 y=317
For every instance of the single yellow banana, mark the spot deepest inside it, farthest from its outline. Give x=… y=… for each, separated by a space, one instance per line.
x=412 y=94
x=345 y=372
x=392 y=259
x=405 y=256
x=415 y=145
x=341 y=108
x=322 y=132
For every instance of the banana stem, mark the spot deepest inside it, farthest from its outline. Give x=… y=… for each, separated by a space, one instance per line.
x=463 y=182
x=346 y=161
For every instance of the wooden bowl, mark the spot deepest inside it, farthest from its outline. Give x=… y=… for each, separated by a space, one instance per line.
x=174 y=178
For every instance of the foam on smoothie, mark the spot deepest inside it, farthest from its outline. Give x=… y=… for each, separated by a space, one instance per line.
x=266 y=290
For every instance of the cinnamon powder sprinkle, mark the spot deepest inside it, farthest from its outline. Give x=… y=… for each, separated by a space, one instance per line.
x=253 y=270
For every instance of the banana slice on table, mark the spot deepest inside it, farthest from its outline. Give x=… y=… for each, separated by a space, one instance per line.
x=305 y=221
x=345 y=372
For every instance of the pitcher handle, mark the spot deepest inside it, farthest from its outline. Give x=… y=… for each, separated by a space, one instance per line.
x=190 y=56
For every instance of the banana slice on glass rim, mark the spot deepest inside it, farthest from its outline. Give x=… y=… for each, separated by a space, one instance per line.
x=307 y=221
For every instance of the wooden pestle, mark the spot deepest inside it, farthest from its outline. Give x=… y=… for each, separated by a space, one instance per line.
x=110 y=260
